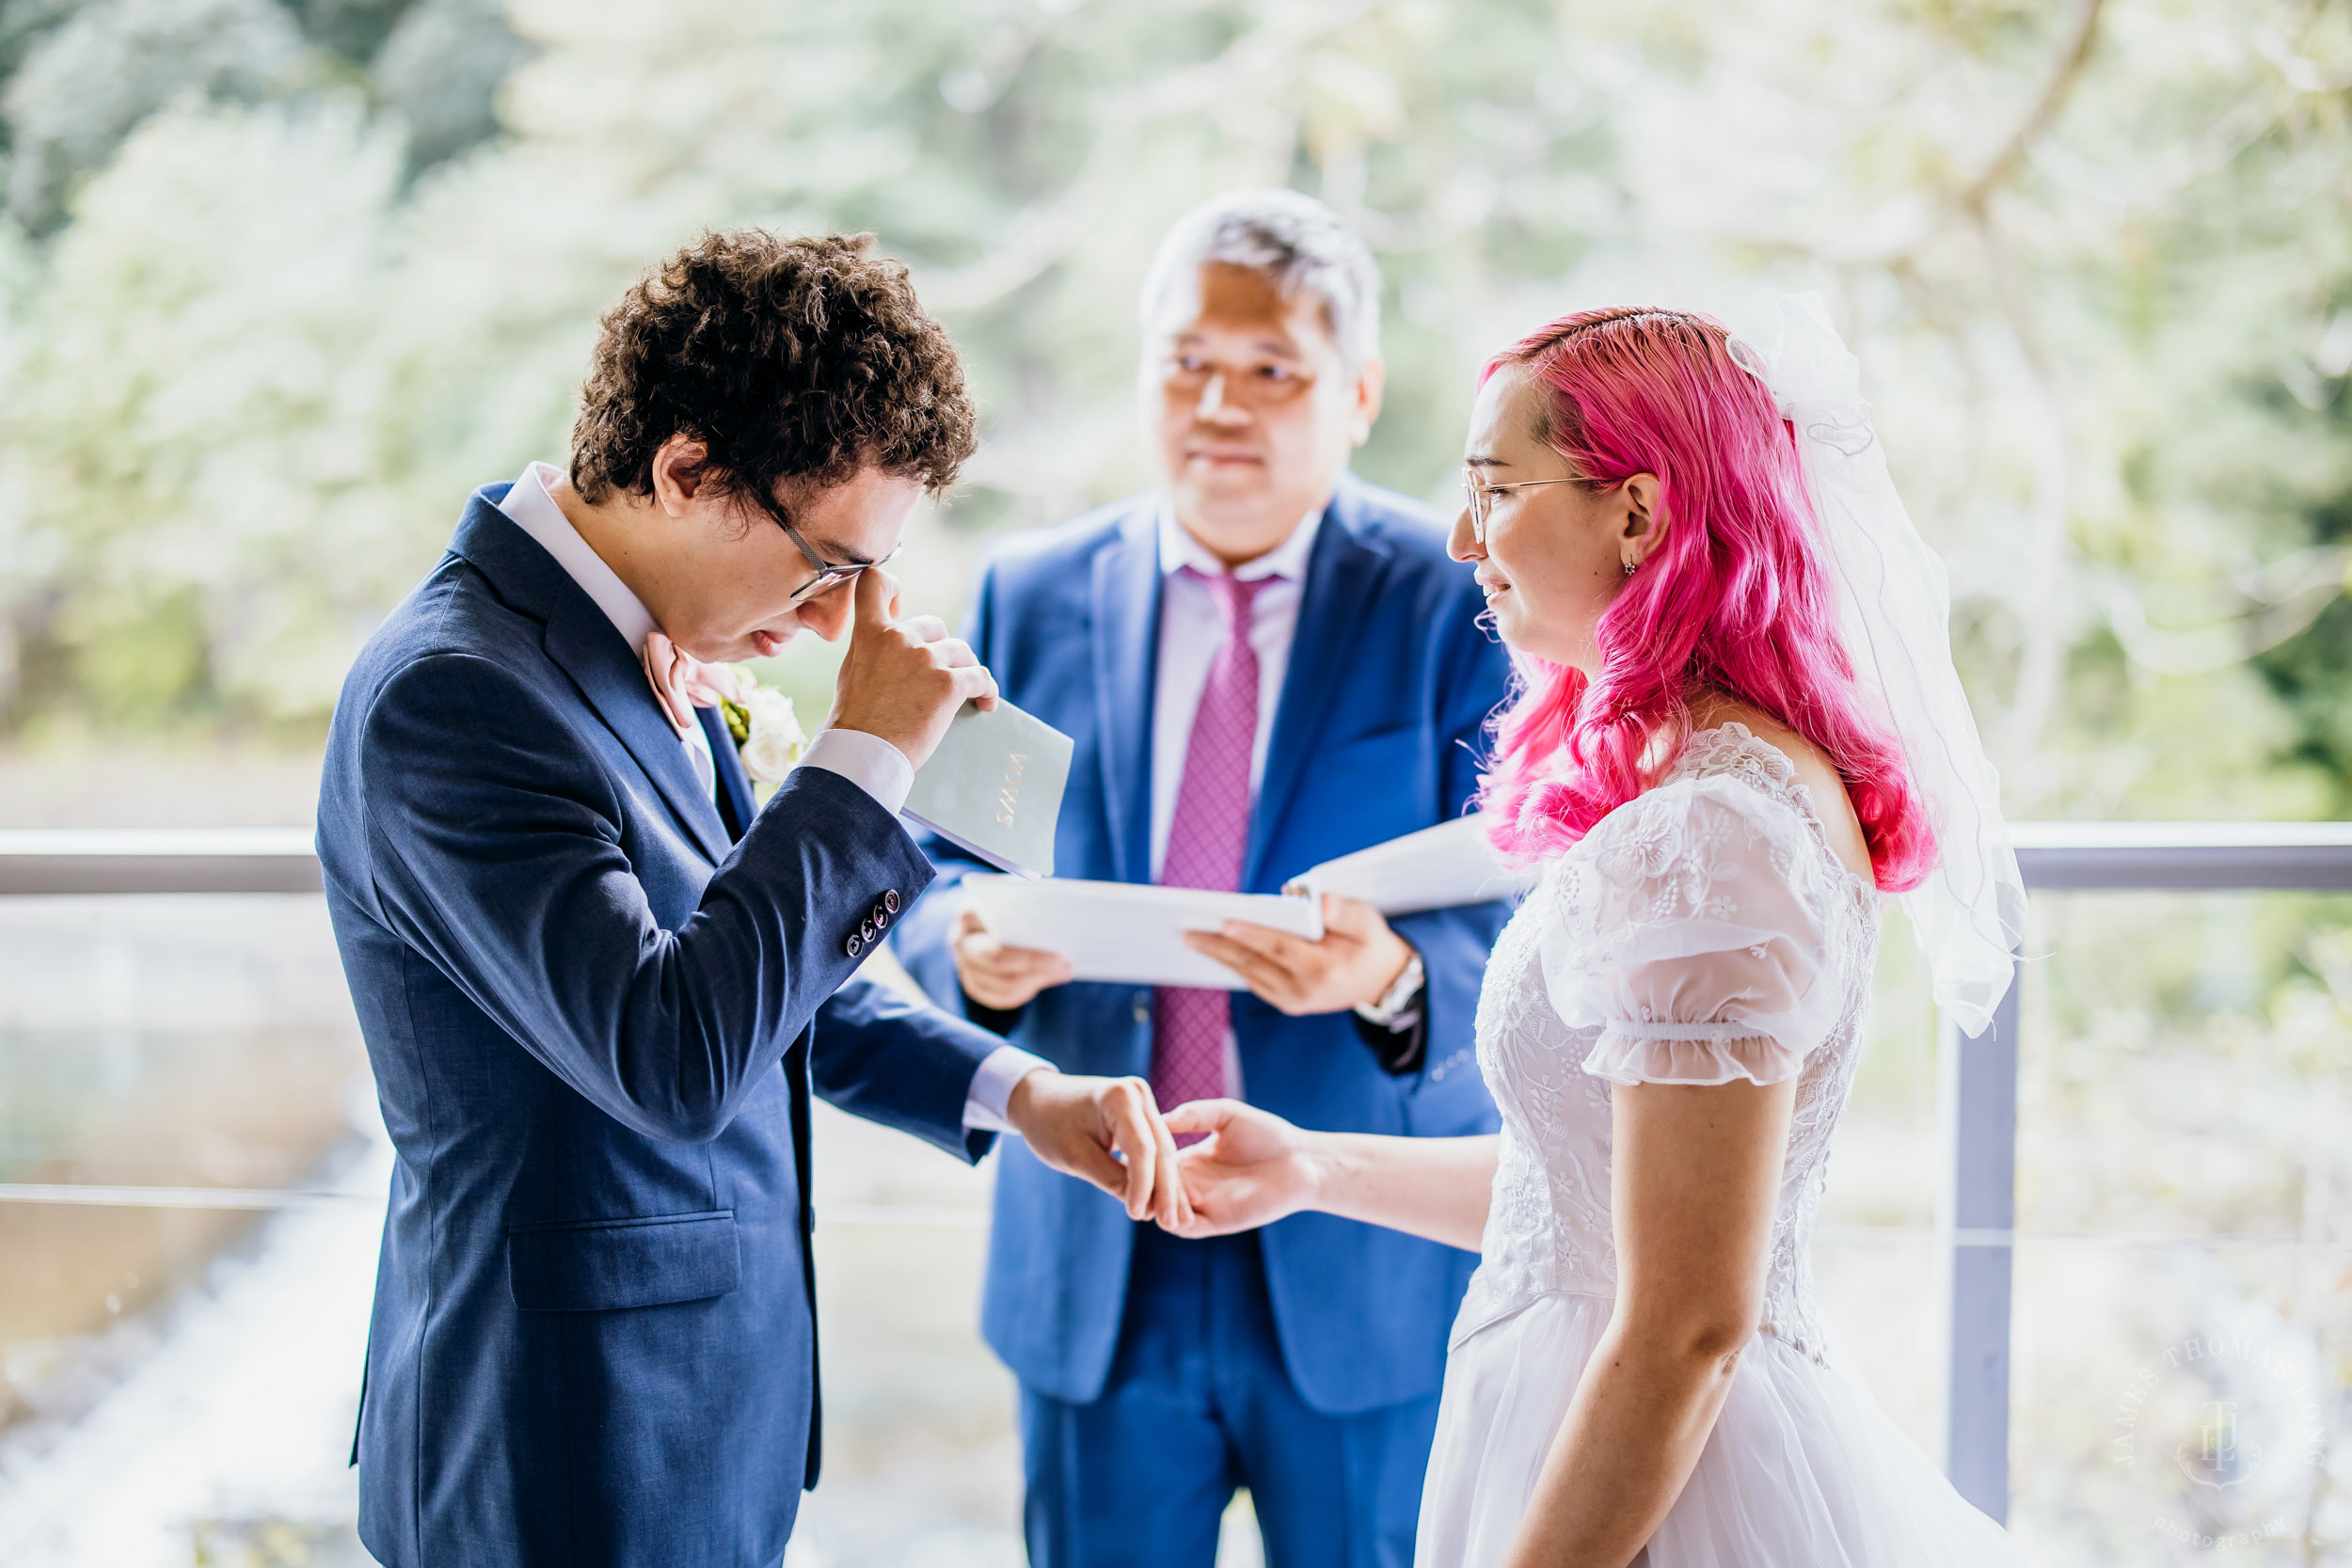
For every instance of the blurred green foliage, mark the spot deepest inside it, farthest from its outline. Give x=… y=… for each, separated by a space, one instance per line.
x=280 y=280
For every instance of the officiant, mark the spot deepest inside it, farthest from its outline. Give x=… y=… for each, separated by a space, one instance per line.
x=1264 y=663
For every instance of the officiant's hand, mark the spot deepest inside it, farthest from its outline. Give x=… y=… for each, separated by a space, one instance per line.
x=996 y=975
x=1356 y=962
x=1252 y=1169
x=1086 y=1127
x=903 y=680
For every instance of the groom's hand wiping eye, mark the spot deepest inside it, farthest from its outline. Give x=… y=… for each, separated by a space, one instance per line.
x=903 y=680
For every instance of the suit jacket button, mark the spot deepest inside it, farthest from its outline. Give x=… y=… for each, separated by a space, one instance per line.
x=866 y=930
x=881 y=918
x=890 y=901
x=854 y=947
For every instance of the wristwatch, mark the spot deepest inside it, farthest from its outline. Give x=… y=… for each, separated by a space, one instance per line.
x=1389 y=1008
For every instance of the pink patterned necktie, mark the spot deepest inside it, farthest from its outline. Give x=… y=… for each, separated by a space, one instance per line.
x=1206 y=837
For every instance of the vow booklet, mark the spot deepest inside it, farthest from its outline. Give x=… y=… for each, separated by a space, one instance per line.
x=1435 y=868
x=993 y=787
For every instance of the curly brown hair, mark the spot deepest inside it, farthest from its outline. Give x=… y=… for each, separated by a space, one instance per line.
x=790 y=359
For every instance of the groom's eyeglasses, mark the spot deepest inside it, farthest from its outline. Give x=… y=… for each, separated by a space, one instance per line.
x=1482 y=496
x=830 y=574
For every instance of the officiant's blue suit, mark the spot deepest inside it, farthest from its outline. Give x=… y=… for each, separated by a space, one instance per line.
x=594 y=1015
x=1376 y=733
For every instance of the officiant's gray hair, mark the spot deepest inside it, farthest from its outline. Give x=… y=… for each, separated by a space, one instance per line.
x=1292 y=239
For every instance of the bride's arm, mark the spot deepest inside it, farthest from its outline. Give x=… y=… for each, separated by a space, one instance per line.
x=1695 y=1183
x=1259 y=1167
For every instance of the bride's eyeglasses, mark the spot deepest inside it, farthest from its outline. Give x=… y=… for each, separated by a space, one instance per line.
x=1482 y=497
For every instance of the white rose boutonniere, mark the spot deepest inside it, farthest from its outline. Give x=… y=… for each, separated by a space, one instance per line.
x=768 y=734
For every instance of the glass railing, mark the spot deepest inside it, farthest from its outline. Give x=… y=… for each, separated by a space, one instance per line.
x=2099 y=1262
x=2100 y=1259
x=192 y=1183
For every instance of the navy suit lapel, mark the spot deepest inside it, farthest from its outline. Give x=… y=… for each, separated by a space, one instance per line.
x=1126 y=643
x=582 y=639
x=737 y=804
x=591 y=653
x=1337 y=596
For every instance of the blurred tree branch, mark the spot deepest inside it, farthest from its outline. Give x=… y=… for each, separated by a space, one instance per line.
x=2065 y=70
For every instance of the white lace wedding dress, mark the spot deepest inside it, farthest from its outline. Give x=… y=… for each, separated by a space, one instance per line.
x=1702 y=933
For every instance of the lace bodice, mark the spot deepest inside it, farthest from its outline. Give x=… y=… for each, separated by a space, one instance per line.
x=1702 y=932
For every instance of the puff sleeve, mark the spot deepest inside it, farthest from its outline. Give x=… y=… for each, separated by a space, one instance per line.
x=1695 y=937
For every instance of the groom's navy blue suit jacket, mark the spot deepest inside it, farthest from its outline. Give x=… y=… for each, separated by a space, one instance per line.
x=595 y=1019
x=1376 y=735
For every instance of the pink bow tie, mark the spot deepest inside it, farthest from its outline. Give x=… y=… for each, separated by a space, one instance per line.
x=682 y=682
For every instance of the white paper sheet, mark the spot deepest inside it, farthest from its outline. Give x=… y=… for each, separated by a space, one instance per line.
x=1129 y=932
x=1433 y=869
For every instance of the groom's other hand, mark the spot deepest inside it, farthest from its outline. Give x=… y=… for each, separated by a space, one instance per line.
x=1106 y=1131
x=903 y=680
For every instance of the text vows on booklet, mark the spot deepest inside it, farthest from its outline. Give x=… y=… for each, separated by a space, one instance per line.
x=993 y=787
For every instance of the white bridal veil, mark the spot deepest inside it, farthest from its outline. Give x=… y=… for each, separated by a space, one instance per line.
x=1894 y=613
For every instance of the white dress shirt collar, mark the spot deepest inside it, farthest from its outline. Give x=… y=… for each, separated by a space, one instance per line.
x=1180 y=549
x=534 y=510
x=530 y=507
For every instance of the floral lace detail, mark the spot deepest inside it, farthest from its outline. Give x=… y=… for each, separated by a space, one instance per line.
x=1549 y=1229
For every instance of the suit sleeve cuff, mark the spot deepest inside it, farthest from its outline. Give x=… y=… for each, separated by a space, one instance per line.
x=867 y=761
x=992 y=1085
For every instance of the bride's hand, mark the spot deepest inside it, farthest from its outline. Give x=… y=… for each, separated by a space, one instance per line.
x=1251 y=1170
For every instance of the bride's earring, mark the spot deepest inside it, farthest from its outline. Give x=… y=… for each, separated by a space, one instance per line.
x=1629 y=568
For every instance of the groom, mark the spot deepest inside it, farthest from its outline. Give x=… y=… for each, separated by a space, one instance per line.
x=598 y=986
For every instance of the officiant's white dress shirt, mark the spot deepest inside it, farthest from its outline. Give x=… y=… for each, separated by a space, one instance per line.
x=867 y=761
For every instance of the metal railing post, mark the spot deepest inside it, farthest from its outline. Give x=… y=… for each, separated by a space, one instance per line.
x=1983 y=1211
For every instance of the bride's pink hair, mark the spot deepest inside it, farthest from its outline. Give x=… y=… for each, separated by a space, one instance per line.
x=1734 y=596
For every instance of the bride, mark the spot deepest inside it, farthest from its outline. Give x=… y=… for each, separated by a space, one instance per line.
x=1738 y=727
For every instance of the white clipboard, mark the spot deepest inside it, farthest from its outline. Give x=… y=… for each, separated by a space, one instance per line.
x=1130 y=933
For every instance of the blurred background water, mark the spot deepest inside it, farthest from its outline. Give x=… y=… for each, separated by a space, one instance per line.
x=282 y=280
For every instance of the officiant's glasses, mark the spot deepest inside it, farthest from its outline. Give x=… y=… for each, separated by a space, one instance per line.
x=1482 y=497
x=830 y=574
